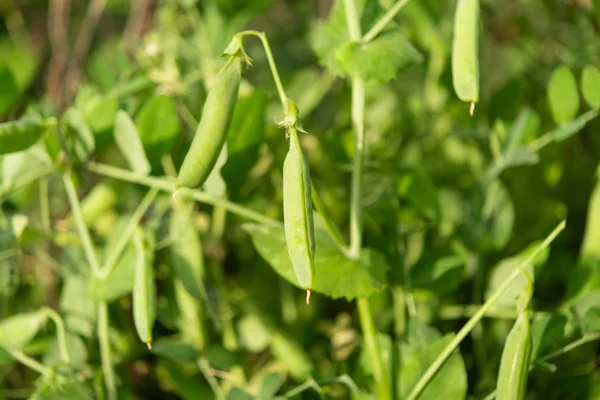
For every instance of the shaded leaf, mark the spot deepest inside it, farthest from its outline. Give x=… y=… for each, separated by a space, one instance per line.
x=158 y=126
x=9 y=91
x=547 y=333
x=591 y=320
x=23 y=133
x=418 y=188
x=335 y=275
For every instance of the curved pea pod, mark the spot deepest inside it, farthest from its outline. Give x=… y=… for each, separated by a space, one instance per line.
x=23 y=133
x=144 y=287
x=298 y=213
x=516 y=356
x=465 y=61
x=212 y=130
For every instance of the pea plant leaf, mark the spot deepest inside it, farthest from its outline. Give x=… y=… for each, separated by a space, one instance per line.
x=380 y=59
x=244 y=138
x=129 y=142
x=158 y=126
x=563 y=96
x=590 y=86
x=9 y=90
x=19 y=329
x=335 y=275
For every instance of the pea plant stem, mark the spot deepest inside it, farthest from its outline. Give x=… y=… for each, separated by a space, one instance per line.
x=84 y=234
x=274 y=71
x=382 y=23
x=115 y=254
x=61 y=335
x=356 y=221
x=464 y=331
x=105 y=354
x=167 y=185
x=28 y=361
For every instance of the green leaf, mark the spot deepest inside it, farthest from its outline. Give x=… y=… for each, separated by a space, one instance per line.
x=186 y=250
x=99 y=110
x=498 y=214
x=438 y=271
x=21 y=59
x=253 y=333
x=187 y=387
x=270 y=385
x=77 y=306
x=547 y=333
x=380 y=59
x=158 y=126
x=449 y=383
x=292 y=355
x=418 y=188
x=591 y=320
x=19 y=329
x=505 y=267
x=119 y=283
x=175 y=350
x=9 y=92
x=79 y=137
x=239 y=394
x=563 y=96
x=244 y=138
x=590 y=86
x=129 y=143
x=335 y=275
x=23 y=133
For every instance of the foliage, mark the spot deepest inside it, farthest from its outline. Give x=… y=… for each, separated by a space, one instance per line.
x=429 y=223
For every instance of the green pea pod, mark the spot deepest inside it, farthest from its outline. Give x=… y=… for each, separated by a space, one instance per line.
x=516 y=356
x=465 y=61
x=298 y=213
x=21 y=134
x=144 y=288
x=212 y=130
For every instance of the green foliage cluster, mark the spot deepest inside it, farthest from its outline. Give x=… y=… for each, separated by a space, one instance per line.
x=429 y=223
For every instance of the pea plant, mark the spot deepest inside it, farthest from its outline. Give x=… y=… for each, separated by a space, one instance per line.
x=300 y=199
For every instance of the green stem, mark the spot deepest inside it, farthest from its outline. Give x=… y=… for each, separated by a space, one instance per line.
x=265 y=42
x=466 y=311
x=61 y=335
x=28 y=361
x=382 y=23
x=399 y=302
x=168 y=185
x=548 y=137
x=464 y=331
x=579 y=342
x=373 y=349
x=84 y=234
x=105 y=354
x=352 y=20
x=44 y=206
x=358 y=118
x=205 y=368
x=113 y=257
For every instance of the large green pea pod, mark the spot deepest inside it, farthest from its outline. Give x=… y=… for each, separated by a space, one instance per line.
x=516 y=356
x=465 y=52
x=298 y=213
x=212 y=130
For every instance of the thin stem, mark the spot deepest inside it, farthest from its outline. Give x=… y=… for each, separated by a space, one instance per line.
x=212 y=382
x=399 y=306
x=113 y=257
x=265 y=42
x=456 y=311
x=447 y=351
x=28 y=361
x=352 y=20
x=579 y=342
x=44 y=206
x=84 y=234
x=105 y=354
x=168 y=185
x=358 y=118
x=373 y=349
x=548 y=137
x=382 y=23
x=61 y=335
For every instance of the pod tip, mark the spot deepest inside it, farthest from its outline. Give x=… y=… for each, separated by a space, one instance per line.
x=308 y=291
x=149 y=344
x=472 y=109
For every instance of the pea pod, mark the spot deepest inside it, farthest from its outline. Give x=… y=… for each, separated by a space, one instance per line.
x=21 y=134
x=465 y=62
x=212 y=130
x=516 y=356
x=298 y=212
x=144 y=288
